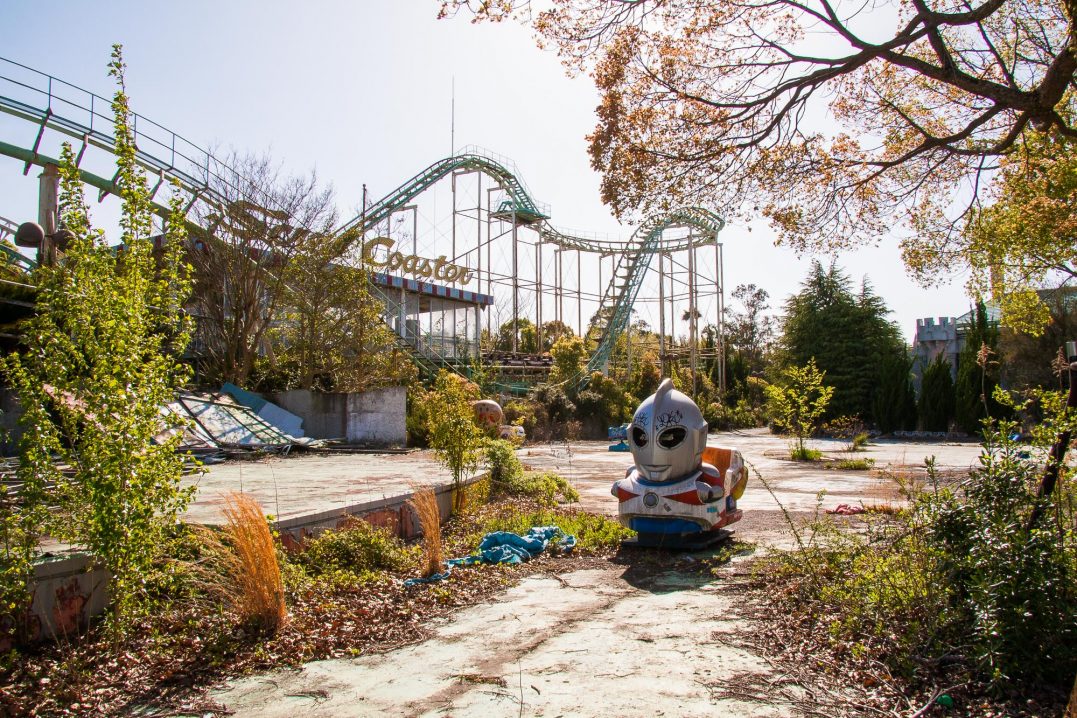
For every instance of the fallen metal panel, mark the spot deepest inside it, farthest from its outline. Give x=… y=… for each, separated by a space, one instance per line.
x=284 y=420
x=230 y=423
x=194 y=436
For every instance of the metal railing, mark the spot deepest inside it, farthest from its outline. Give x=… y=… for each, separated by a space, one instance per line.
x=87 y=117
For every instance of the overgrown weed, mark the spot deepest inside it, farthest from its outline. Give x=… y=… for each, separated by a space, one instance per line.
x=508 y=478
x=259 y=595
x=803 y=453
x=357 y=548
x=725 y=553
x=425 y=505
x=956 y=587
x=594 y=533
x=855 y=464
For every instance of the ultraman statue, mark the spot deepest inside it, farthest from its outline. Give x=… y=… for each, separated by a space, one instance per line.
x=672 y=496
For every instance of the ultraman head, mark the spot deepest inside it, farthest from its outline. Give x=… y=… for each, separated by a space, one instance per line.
x=668 y=435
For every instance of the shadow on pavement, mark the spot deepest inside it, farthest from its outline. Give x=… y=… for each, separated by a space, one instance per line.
x=662 y=571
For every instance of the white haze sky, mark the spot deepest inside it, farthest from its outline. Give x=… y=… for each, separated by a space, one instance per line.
x=361 y=92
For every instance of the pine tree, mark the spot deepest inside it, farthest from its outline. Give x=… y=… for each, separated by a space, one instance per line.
x=894 y=402
x=846 y=334
x=936 y=396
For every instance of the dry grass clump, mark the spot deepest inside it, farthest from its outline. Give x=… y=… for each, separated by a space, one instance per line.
x=207 y=565
x=259 y=591
x=425 y=505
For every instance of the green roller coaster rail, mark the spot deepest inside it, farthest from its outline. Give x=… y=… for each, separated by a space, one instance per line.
x=51 y=103
x=522 y=202
x=634 y=257
x=631 y=269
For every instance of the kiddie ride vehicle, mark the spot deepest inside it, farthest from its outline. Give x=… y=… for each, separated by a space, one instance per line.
x=680 y=493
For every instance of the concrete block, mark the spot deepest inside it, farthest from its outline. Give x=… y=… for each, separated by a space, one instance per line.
x=375 y=418
x=378 y=417
x=67 y=593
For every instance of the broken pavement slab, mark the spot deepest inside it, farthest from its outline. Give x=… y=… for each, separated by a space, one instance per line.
x=311 y=484
x=592 y=468
x=584 y=642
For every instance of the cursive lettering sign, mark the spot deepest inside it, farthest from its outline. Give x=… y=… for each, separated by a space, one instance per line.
x=416 y=266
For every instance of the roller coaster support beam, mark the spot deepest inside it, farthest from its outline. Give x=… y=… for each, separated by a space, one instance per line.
x=97 y=181
x=48 y=208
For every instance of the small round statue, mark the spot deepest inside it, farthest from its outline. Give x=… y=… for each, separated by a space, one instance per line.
x=488 y=413
x=679 y=493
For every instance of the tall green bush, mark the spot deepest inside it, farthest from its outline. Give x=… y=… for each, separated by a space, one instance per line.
x=1015 y=590
x=502 y=463
x=558 y=407
x=936 y=403
x=100 y=359
x=798 y=404
x=569 y=356
x=454 y=436
x=604 y=402
x=959 y=574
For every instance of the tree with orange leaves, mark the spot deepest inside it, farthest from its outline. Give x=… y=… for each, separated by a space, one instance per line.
x=836 y=116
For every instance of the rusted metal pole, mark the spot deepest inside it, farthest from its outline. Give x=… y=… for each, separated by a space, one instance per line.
x=1058 y=450
x=662 y=311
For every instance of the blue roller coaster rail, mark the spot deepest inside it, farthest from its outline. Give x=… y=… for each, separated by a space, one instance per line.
x=53 y=104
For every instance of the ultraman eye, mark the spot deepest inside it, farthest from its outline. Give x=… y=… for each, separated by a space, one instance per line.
x=639 y=436
x=672 y=437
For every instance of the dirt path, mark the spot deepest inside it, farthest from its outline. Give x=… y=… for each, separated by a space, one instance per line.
x=595 y=641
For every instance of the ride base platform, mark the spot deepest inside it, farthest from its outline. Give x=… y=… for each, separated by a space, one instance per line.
x=679 y=542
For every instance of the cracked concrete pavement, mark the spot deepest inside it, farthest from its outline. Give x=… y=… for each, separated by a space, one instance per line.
x=585 y=642
x=594 y=641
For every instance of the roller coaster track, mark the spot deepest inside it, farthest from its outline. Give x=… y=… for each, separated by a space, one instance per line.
x=523 y=204
x=634 y=256
x=631 y=268
x=54 y=104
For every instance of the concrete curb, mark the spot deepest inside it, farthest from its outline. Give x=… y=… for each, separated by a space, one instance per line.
x=389 y=512
x=68 y=590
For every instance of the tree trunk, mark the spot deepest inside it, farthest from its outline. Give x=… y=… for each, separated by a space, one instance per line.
x=1056 y=458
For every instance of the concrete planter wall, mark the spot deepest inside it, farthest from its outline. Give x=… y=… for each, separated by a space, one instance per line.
x=371 y=418
x=392 y=513
x=67 y=593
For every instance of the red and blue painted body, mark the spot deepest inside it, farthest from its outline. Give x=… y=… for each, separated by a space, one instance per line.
x=665 y=512
x=679 y=492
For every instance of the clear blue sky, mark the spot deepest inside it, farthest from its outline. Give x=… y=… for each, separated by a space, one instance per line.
x=361 y=92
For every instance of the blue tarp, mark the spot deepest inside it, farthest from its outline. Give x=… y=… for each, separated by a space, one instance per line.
x=505 y=547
